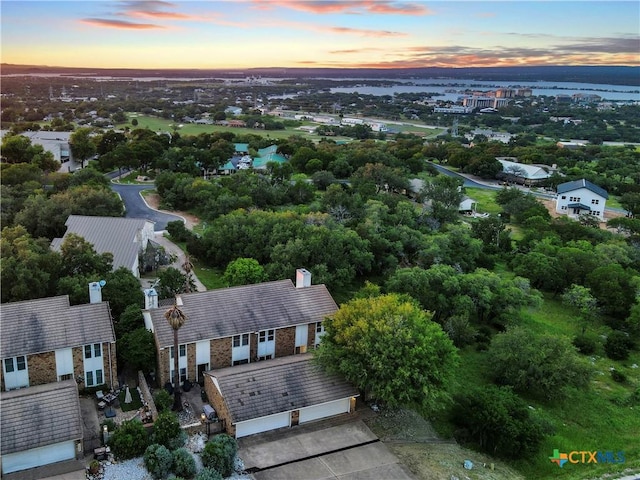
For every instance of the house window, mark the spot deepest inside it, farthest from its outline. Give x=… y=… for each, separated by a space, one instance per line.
x=267 y=336
x=564 y=207
x=93 y=353
x=266 y=344
x=90 y=379
x=181 y=348
x=241 y=340
x=183 y=375
x=20 y=364
x=319 y=333
x=15 y=372
x=564 y=197
x=595 y=201
x=67 y=376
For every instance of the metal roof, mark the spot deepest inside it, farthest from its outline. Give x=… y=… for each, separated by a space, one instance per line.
x=49 y=324
x=117 y=235
x=576 y=184
x=39 y=416
x=248 y=308
x=274 y=386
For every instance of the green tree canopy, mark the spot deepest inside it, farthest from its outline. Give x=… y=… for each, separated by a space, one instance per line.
x=389 y=347
x=244 y=271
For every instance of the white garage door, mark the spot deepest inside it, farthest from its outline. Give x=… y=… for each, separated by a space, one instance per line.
x=37 y=457
x=262 y=424
x=329 y=409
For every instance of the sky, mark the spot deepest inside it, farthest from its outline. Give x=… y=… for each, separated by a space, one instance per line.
x=238 y=34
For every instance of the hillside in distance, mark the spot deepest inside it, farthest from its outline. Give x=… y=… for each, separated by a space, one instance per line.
x=614 y=75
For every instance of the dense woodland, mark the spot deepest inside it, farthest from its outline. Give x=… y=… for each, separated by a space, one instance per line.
x=346 y=213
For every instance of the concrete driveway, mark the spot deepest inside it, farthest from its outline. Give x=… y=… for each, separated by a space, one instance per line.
x=348 y=452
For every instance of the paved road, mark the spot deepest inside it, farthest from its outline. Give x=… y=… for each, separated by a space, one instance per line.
x=136 y=207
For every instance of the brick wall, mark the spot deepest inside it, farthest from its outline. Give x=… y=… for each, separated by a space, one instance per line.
x=163 y=366
x=311 y=336
x=221 y=352
x=191 y=362
x=285 y=341
x=42 y=368
x=217 y=402
x=78 y=363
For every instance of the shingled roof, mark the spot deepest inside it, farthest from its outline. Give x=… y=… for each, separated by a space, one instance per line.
x=274 y=386
x=576 y=184
x=248 y=308
x=38 y=416
x=48 y=324
x=116 y=235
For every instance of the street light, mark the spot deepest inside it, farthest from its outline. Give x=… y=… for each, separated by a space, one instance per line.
x=176 y=319
x=206 y=421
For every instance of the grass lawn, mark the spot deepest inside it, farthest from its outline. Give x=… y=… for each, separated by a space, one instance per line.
x=601 y=418
x=486 y=200
x=135 y=404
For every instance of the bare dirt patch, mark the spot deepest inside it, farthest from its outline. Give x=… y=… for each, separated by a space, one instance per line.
x=414 y=441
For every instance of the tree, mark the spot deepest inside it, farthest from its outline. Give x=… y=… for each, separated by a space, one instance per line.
x=540 y=365
x=137 y=349
x=176 y=319
x=82 y=145
x=173 y=282
x=166 y=430
x=390 y=348
x=498 y=421
x=122 y=289
x=244 y=271
x=130 y=319
x=580 y=298
x=618 y=345
x=129 y=440
x=158 y=460
x=184 y=464
x=630 y=201
x=445 y=194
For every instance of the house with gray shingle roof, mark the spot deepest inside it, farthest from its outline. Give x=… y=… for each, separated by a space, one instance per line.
x=278 y=393
x=581 y=197
x=125 y=238
x=244 y=324
x=40 y=425
x=47 y=340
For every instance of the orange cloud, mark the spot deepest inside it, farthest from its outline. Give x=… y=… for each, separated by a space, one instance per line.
x=120 y=24
x=162 y=15
x=346 y=6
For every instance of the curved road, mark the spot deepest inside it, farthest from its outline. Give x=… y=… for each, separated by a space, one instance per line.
x=136 y=207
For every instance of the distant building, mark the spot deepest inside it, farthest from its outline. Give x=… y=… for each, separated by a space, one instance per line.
x=522 y=173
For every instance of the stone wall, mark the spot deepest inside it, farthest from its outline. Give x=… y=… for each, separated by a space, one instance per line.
x=221 y=352
x=42 y=368
x=285 y=341
x=146 y=395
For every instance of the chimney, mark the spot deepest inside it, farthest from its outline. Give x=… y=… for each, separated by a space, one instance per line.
x=150 y=298
x=303 y=278
x=95 y=291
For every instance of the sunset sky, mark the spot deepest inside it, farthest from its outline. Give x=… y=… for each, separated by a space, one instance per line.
x=323 y=33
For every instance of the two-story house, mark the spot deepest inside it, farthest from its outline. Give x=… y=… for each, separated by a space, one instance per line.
x=240 y=325
x=581 y=197
x=47 y=340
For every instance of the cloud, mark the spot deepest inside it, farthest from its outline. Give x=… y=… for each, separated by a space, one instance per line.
x=347 y=6
x=356 y=50
x=367 y=33
x=121 y=24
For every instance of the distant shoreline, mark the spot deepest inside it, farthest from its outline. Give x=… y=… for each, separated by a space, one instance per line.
x=612 y=75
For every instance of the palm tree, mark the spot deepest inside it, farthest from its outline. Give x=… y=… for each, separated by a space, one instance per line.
x=187 y=266
x=176 y=319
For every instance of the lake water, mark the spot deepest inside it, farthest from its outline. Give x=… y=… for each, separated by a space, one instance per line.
x=445 y=88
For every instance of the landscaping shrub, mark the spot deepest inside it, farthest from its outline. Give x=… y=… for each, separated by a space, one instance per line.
x=497 y=421
x=618 y=376
x=618 y=345
x=178 y=231
x=586 y=345
x=158 y=460
x=163 y=400
x=219 y=453
x=129 y=440
x=111 y=425
x=208 y=474
x=184 y=463
x=166 y=430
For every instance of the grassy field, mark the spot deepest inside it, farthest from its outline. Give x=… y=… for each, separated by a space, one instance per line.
x=165 y=125
x=600 y=418
x=486 y=200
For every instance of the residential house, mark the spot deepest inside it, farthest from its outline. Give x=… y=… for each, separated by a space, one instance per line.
x=581 y=197
x=278 y=393
x=41 y=425
x=239 y=325
x=47 y=340
x=126 y=238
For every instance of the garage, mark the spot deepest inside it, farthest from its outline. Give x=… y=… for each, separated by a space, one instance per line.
x=263 y=424
x=324 y=410
x=38 y=457
x=41 y=425
x=271 y=394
